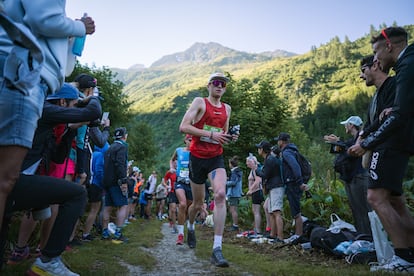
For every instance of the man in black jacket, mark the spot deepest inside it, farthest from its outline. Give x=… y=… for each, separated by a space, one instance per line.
x=116 y=186
x=392 y=144
x=273 y=185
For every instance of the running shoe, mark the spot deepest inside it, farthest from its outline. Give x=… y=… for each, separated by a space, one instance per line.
x=180 y=239
x=291 y=239
x=53 y=267
x=217 y=258
x=191 y=239
x=395 y=264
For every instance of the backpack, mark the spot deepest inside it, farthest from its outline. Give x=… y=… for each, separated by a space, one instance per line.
x=305 y=167
x=327 y=241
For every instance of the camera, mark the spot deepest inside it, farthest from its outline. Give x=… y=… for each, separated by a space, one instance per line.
x=337 y=147
x=234 y=130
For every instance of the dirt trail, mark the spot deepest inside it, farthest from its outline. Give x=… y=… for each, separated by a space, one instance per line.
x=174 y=260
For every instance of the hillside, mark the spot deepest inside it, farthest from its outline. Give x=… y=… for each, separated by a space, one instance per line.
x=322 y=87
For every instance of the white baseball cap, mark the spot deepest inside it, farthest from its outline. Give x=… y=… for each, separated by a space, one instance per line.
x=354 y=120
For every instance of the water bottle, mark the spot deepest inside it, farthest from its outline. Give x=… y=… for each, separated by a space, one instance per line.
x=79 y=43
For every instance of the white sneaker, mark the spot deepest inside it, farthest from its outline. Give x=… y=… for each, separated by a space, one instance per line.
x=291 y=238
x=396 y=264
x=54 y=267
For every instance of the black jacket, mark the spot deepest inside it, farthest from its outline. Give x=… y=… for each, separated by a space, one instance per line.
x=271 y=172
x=397 y=131
x=52 y=116
x=385 y=96
x=115 y=163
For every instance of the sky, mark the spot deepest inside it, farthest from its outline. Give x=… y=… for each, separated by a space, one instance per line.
x=132 y=32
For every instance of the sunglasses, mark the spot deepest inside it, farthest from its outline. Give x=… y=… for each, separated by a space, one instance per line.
x=384 y=34
x=216 y=83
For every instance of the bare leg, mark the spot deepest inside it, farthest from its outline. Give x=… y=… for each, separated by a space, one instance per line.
x=47 y=226
x=27 y=226
x=121 y=215
x=9 y=172
x=94 y=209
x=380 y=200
x=257 y=217
x=218 y=180
x=196 y=206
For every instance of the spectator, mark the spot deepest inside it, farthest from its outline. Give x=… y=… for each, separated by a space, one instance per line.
x=256 y=192
x=95 y=190
x=149 y=193
x=355 y=177
x=160 y=196
x=292 y=175
x=391 y=145
x=271 y=175
x=116 y=184
x=234 y=190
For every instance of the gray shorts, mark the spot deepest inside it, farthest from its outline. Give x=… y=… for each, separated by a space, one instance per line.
x=276 y=199
x=19 y=112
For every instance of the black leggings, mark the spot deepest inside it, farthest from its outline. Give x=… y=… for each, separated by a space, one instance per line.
x=35 y=191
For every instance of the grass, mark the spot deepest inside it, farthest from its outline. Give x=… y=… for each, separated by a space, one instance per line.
x=246 y=258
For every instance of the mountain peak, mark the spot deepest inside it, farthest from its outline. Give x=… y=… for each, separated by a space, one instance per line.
x=215 y=53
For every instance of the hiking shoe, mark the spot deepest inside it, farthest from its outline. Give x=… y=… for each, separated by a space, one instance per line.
x=105 y=234
x=180 y=239
x=54 y=267
x=217 y=258
x=87 y=238
x=291 y=239
x=119 y=238
x=396 y=264
x=191 y=239
x=275 y=241
x=18 y=256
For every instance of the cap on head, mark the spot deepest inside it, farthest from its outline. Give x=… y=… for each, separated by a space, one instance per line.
x=120 y=132
x=265 y=145
x=218 y=76
x=283 y=136
x=135 y=169
x=85 y=81
x=354 y=120
x=67 y=91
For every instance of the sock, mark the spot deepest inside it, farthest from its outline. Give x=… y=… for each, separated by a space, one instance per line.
x=268 y=229
x=190 y=226
x=405 y=253
x=180 y=229
x=218 y=240
x=85 y=235
x=235 y=225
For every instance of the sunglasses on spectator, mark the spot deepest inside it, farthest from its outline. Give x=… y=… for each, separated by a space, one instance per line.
x=216 y=83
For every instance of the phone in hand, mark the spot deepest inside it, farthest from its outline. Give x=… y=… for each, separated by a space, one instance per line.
x=105 y=116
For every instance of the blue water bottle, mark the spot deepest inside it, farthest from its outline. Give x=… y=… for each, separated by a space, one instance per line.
x=79 y=43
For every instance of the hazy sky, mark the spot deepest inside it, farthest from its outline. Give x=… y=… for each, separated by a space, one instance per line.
x=132 y=32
